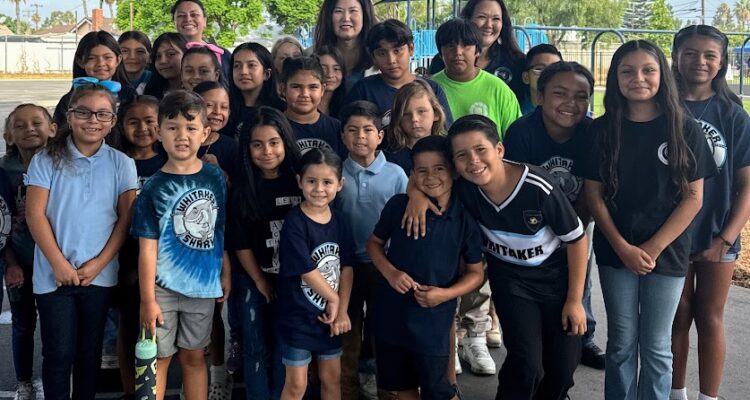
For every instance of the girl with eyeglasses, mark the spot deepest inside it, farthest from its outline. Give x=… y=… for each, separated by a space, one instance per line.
x=79 y=196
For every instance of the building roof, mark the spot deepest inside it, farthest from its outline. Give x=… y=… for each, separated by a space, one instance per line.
x=72 y=28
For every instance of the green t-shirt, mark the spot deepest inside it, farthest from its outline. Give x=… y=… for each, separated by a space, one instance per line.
x=486 y=95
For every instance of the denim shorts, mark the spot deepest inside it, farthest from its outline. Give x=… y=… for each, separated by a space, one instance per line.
x=294 y=357
x=730 y=257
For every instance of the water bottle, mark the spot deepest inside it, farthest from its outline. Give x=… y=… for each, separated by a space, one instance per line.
x=145 y=368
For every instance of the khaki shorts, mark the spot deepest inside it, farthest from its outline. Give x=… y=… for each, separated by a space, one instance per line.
x=187 y=322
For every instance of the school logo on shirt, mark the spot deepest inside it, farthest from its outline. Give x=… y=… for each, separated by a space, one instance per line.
x=560 y=168
x=504 y=73
x=326 y=259
x=479 y=108
x=716 y=142
x=385 y=120
x=5 y=224
x=663 y=153
x=273 y=243
x=311 y=143
x=194 y=219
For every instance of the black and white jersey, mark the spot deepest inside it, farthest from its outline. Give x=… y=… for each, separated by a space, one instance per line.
x=523 y=235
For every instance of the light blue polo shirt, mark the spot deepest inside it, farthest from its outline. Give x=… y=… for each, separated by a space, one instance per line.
x=82 y=207
x=365 y=192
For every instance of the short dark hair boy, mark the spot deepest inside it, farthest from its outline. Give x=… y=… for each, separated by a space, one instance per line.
x=537 y=59
x=361 y=108
x=458 y=31
x=391 y=31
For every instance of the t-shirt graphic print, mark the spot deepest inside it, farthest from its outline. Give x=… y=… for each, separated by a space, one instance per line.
x=326 y=260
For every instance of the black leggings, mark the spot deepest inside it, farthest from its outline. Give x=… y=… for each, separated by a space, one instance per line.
x=541 y=356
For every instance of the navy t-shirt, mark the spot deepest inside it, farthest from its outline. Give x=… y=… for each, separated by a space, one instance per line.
x=275 y=197
x=374 y=89
x=6 y=209
x=527 y=141
x=148 y=167
x=307 y=245
x=21 y=239
x=402 y=158
x=324 y=133
x=727 y=131
x=524 y=236
x=432 y=260
x=227 y=152
x=645 y=196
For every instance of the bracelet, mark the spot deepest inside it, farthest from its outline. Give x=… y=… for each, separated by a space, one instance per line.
x=726 y=242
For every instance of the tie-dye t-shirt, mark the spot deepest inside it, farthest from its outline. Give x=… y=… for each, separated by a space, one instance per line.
x=186 y=215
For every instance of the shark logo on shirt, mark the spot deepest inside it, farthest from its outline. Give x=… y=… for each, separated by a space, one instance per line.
x=194 y=219
x=327 y=262
x=716 y=142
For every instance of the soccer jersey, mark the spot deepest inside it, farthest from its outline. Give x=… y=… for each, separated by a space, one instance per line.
x=275 y=197
x=727 y=131
x=523 y=235
x=305 y=246
x=186 y=215
x=527 y=141
x=485 y=95
x=645 y=195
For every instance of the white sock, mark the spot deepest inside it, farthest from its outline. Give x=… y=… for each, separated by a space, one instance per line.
x=678 y=394
x=218 y=373
x=702 y=396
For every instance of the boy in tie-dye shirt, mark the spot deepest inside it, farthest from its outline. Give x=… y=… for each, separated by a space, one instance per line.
x=179 y=220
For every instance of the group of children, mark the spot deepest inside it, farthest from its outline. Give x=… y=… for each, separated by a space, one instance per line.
x=344 y=225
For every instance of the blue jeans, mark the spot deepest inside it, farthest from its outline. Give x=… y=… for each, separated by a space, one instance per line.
x=23 y=314
x=264 y=372
x=72 y=322
x=640 y=311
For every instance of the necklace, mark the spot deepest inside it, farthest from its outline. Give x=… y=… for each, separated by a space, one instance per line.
x=211 y=136
x=700 y=117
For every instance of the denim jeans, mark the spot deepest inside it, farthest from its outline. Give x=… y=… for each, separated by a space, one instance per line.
x=72 y=322
x=640 y=311
x=264 y=372
x=23 y=315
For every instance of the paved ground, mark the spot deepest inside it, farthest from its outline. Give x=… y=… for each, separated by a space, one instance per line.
x=589 y=382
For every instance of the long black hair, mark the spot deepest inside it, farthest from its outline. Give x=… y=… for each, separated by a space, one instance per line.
x=87 y=43
x=269 y=95
x=157 y=85
x=719 y=83
x=608 y=128
x=508 y=47
x=248 y=190
x=339 y=95
x=325 y=35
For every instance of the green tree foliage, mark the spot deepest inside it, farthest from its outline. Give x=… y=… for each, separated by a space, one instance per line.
x=57 y=18
x=10 y=23
x=290 y=14
x=723 y=18
x=226 y=18
x=742 y=13
x=591 y=13
x=662 y=18
x=637 y=14
x=418 y=12
x=18 y=20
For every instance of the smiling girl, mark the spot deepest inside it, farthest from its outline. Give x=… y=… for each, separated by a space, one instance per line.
x=166 y=60
x=136 y=50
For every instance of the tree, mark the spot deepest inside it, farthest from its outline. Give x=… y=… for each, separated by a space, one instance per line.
x=593 y=13
x=723 y=17
x=226 y=18
x=18 y=15
x=742 y=13
x=85 y=9
x=290 y=14
x=637 y=14
x=110 y=3
x=57 y=18
x=662 y=18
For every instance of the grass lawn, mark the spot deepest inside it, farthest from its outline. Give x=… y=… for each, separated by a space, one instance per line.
x=599 y=102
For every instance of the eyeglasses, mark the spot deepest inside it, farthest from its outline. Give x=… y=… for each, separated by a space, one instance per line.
x=84 y=114
x=537 y=70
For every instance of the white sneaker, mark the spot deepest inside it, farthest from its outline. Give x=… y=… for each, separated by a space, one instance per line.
x=25 y=391
x=475 y=352
x=368 y=386
x=458 y=368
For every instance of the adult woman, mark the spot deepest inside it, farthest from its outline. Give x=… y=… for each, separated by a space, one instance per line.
x=189 y=17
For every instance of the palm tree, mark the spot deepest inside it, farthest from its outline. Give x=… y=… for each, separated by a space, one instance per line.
x=742 y=13
x=109 y=5
x=18 y=14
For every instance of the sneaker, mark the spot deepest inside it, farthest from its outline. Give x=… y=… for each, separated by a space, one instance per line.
x=25 y=391
x=476 y=354
x=38 y=388
x=494 y=336
x=592 y=356
x=368 y=386
x=221 y=390
x=234 y=358
x=460 y=334
x=458 y=368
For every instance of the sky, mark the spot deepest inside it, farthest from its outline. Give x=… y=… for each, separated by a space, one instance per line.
x=685 y=9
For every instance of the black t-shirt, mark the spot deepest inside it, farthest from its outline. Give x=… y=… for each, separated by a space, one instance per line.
x=523 y=236
x=276 y=197
x=402 y=158
x=227 y=152
x=432 y=260
x=527 y=141
x=324 y=133
x=375 y=90
x=506 y=68
x=307 y=245
x=646 y=196
x=727 y=131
